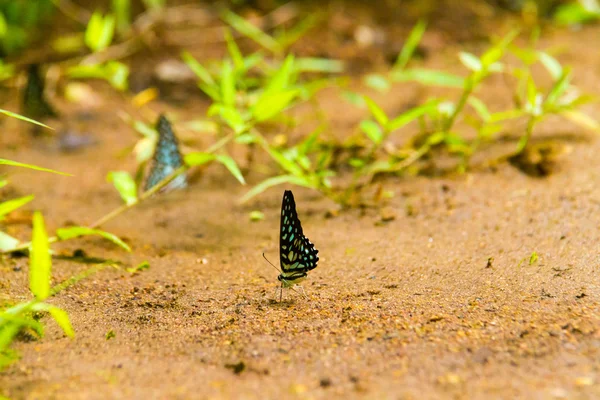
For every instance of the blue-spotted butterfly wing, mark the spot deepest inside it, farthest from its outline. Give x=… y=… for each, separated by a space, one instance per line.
x=297 y=254
x=167 y=157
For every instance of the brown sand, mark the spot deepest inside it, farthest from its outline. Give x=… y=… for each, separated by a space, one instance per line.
x=405 y=309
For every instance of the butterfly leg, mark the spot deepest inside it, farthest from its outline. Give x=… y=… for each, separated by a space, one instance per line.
x=302 y=291
x=281 y=293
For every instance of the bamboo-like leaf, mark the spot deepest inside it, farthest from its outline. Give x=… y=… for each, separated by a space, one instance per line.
x=125 y=185
x=411 y=115
x=22 y=118
x=198 y=158
x=379 y=115
x=77 y=231
x=198 y=69
x=231 y=165
x=429 y=77
x=18 y=164
x=7 y=242
x=271 y=104
x=410 y=45
x=274 y=181
x=247 y=29
x=39 y=261
x=58 y=314
x=11 y=205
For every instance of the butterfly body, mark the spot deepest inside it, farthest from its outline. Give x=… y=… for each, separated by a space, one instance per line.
x=297 y=255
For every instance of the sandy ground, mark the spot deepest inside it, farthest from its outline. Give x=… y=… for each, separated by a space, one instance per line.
x=411 y=308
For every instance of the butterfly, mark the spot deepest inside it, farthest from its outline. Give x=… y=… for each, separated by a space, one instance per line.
x=297 y=255
x=167 y=158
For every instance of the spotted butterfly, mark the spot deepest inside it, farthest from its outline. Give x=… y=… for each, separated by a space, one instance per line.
x=297 y=254
x=167 y=158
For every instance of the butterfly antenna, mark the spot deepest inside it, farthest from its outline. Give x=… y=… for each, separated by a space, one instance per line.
x=265 y=257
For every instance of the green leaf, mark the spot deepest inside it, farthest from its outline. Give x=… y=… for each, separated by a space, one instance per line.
x=256 y=216
x=274 y=181
x=582 y=119
x=534 y=257
x=283 y=162
x=77 y=231
x=247 y=29
x=59 y=315
x=230 y=115
x=125 y=185
x=497 y=51
x=234 y=52
x=100 y=31
x=376 y=111
x=280 y=81
x=372 y=130
x=377 y=82
x=117 y=74
x=198 y=69
x=314 y=64
x=40 y=263
x=93 y=30
x=470 y=61
x=354 y=98
x=227 y=84
x=559 y=88
x=18 y=164
x=140 y=267
x=411 y=115
x=122 y=10
x=198 y=158
x=11 y=205
x=230 y=164
x=410 y=45
x=7 y=242
x=480 y=107
x=551 y=64
x=429 y=77
x=22 y=118
x=271 y=104
x=506 y=115
x=575 y=13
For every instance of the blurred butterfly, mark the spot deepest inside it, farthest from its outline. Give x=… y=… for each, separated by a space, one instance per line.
x=297 y=255
x=34 y=102
x=167 y=158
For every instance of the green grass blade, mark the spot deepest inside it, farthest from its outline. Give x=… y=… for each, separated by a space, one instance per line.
x=231 y=165
x=18 y=164
x=429 y=77
x=198 y=69
x=11 y=205
x=77 y=231
x=22 y=118
x=40 y=263
x=410 y=45
x=247 y=29
x=379 y=115
x=411 y=115
x=227 y=84
x=316 y=64
x=235 y=53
